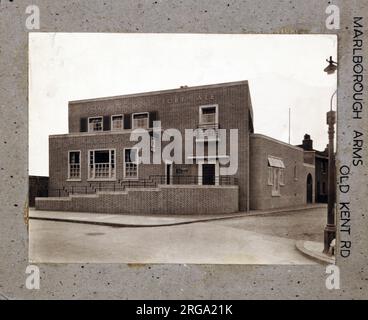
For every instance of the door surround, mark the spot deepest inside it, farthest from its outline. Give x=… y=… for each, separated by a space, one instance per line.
x=217 y=171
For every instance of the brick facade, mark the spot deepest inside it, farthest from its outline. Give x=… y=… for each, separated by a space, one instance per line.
x=294 y=190
x=163 y=200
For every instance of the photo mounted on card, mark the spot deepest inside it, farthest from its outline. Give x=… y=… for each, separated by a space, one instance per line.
x=182 y=148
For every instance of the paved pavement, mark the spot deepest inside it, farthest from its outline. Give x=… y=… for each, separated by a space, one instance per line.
x=314 y=250
x=140 y=220
x=258 y=239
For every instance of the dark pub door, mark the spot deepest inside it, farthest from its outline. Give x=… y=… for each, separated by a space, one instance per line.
x=208 y=174
x=309 y=189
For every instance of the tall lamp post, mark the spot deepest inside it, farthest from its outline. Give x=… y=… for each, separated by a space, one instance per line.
x=330 y=229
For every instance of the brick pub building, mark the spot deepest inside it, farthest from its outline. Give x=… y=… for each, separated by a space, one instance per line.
x=95 y=168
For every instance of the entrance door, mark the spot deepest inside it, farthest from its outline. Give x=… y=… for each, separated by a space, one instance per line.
x=208 y=174
x=309 y=189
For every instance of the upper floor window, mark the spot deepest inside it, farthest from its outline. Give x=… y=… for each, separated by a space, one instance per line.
x=208 y=115
x=140 y=120
x=95 y=124
x=74 y=165
x=117 y=122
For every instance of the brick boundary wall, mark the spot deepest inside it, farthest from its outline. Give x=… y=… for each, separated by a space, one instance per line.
x=163 y=200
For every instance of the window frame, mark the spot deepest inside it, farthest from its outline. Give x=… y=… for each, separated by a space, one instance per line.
x=276 y=175
x=276 y=186
x=111 y=177
x=112 y=122
x=295 y=172
x=137 y=113
x=124 y=164
x=282 y=176
x=80 y=166
x=270 y=175
x=216 y=106
x=88 y=124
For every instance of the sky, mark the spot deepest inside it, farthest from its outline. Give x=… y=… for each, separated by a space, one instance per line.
x=284 y=72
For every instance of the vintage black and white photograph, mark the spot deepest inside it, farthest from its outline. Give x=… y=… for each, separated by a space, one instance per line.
x=182 y=148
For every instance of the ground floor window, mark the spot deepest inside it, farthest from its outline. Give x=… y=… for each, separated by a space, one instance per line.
x=276 y=176
x=74 y=167
x=131 y=163
x=102 y=164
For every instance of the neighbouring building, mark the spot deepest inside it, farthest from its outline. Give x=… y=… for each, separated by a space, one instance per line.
x=320 y=160
x=37 y=187
x=95 y=167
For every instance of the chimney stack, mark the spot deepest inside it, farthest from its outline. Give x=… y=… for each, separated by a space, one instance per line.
x=307 y=143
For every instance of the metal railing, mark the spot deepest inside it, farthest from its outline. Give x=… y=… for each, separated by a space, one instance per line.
x=195 y=180
x=152 y=182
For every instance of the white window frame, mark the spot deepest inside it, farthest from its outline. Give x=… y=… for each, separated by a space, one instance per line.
x=276 y=175
x=205 y=107
x=138 y=113
x=282 y=176
x=88 y=124
x=270 y=175
x=112 y=177
x=276 y=182
x=80 y=166
x=295 y=173
x=137 y=163
x=112 y=122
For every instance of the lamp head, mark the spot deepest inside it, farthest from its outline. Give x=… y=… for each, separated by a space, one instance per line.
x=332 y=66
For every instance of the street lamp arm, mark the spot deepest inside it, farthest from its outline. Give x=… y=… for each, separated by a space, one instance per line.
x=332 y=99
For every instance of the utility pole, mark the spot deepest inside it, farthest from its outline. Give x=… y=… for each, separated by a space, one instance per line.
x=330 y=229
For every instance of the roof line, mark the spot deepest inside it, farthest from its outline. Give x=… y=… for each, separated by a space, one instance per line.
x=259 y=135
x=181 y=89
